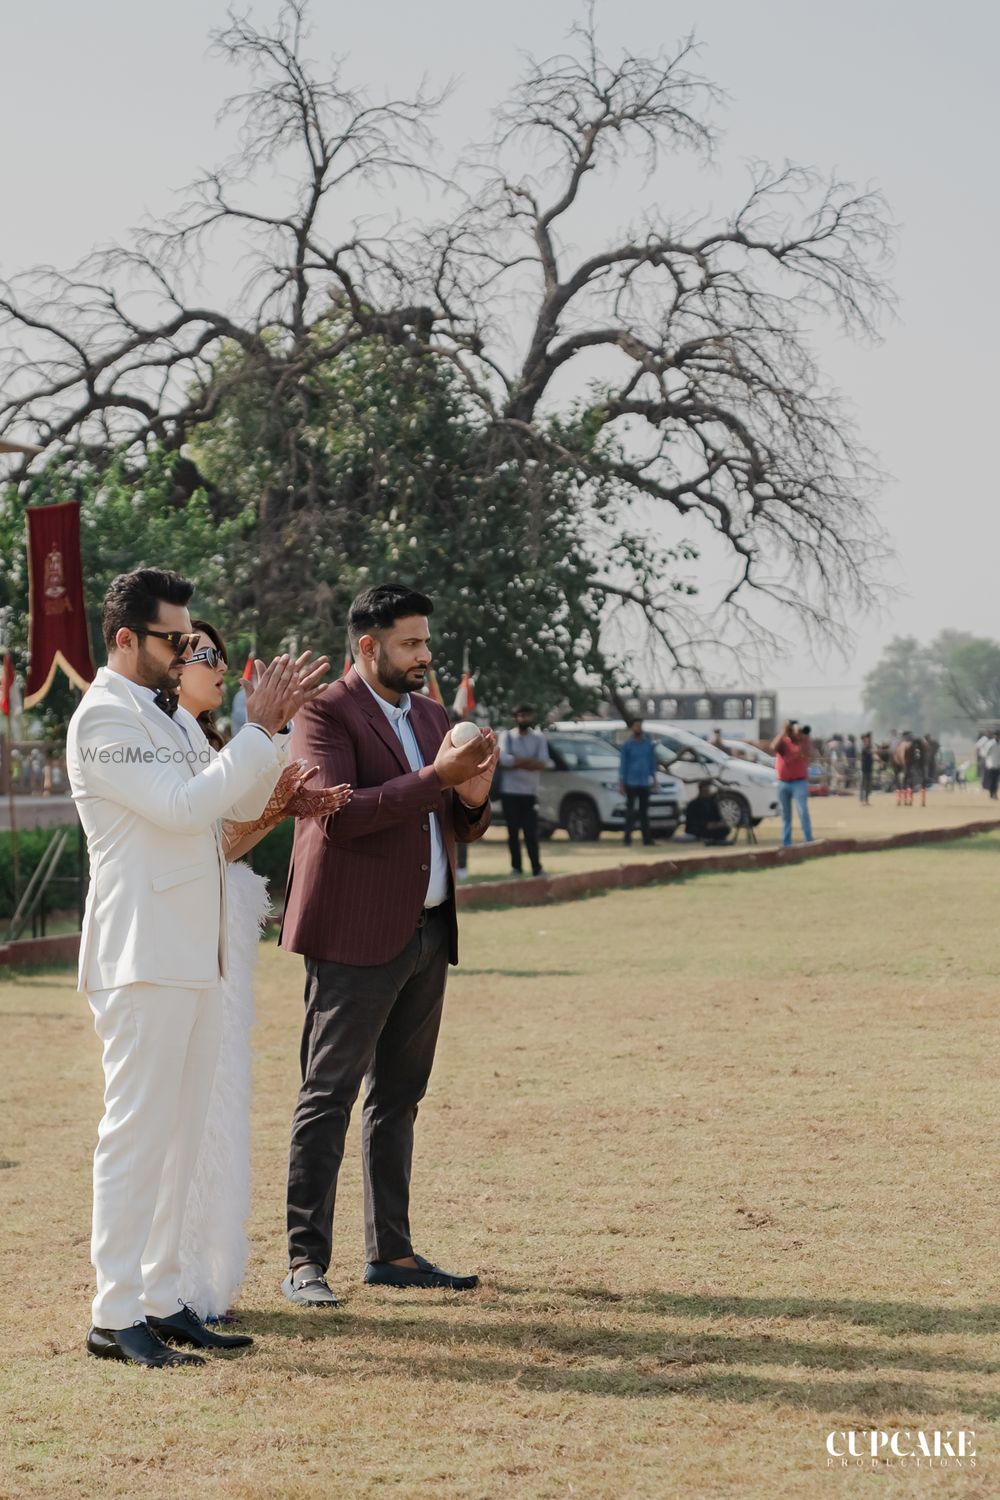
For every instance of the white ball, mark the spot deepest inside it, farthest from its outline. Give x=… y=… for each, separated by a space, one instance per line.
x=464 y=733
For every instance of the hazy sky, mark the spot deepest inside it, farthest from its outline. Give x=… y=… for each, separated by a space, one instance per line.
x=107 y=107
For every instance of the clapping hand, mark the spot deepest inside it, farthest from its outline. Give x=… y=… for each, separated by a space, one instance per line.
x=316 y=802
x=278 y=690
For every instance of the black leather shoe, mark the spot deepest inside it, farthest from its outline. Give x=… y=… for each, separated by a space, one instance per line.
x=185 y=1327
x=383 y=1273
x=137 y=1345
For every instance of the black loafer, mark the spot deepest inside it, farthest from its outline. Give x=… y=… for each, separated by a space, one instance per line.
x=307 y=1286
x=383 y=1273
x=137 y=1345
x=185 y=1327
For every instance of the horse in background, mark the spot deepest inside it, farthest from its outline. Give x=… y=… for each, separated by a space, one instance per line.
x=913 y=761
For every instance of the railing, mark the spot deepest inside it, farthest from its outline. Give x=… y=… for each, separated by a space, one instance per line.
x=32 y=768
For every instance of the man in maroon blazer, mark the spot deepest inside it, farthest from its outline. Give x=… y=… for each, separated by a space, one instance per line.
x=371 y=904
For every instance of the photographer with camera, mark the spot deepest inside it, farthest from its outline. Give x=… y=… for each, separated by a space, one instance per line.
x=792 y=750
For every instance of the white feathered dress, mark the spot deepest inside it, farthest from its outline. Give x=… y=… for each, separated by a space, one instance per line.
x=214 y=1243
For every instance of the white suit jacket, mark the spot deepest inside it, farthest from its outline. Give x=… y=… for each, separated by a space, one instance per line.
x=150 y=799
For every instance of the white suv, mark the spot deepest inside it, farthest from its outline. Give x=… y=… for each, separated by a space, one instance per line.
x=580 y=792
x=745 y=791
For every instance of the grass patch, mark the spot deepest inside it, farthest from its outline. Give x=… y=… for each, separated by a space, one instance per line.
x=723 y=1152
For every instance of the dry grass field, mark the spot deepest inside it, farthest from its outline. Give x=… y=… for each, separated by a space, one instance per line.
x=723 y=1152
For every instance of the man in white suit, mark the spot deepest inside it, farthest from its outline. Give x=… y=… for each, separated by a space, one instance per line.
x=150 y=793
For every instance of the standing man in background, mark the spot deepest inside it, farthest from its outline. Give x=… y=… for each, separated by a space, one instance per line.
x=867 y=769
x=991 y=764
x=636 y=779
x=524 y=754
x=792 y=750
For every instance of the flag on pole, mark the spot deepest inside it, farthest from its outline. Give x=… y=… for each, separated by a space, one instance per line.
x=248 y=670
x=6 y=684
x=433 y=687
x=465 y=698
x=57 y=617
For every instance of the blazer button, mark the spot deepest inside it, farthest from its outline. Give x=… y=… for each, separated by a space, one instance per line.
x=425 y=867
x=426 y=827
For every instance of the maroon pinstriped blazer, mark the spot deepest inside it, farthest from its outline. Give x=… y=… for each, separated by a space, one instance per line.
x=357 y=880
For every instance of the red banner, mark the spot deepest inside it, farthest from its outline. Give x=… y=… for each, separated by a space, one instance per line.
x=6 y=683
x=57 y=618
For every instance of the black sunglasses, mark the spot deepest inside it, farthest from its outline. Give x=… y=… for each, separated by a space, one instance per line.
x=179 y=640
x=210 y=655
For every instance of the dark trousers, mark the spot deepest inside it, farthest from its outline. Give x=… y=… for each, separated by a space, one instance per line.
x=866 y=783
x=520 y=813
x=637 y=810
x=380 y=1025
x=992 y=782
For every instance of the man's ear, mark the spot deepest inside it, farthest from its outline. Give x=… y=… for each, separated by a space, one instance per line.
x=124 y=638
x=366 y=646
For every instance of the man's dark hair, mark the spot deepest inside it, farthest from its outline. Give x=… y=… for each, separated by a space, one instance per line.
x=524 y=708
x=635 y=719
x=379 y=607
x=134 y=599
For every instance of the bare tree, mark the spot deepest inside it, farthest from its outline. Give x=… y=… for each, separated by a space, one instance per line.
x=710 y=424
x=715 y=411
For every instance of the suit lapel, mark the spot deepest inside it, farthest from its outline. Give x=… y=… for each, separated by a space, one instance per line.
x=428 y=734
x=161 y=725
x=365 y=700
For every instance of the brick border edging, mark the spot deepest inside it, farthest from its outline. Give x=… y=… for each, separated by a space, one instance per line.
x=555 y=888
x=33 y=953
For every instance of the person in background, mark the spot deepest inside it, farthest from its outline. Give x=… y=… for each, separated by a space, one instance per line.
x=991 y=765
x=461 y=850
x=524 y=755
x=982 y=744
x=867 y=761
x=636 y=779
x=703 y=819
x=792 y=750
x=717 y=740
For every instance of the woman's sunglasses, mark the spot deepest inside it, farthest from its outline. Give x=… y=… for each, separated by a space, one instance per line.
x=210 y=655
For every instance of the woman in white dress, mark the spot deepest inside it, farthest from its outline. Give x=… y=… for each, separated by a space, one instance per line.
x=214 y=1243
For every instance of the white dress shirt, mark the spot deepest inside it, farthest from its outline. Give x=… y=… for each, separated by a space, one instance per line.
x=439 y=880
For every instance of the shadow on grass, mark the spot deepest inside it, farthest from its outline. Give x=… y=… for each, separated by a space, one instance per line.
x=520 y=973
x=553 y=1355
x=889 y=1317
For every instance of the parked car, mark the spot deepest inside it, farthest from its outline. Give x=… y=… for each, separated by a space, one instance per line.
x=743 y=750
x=746 y=792
x=581 y=792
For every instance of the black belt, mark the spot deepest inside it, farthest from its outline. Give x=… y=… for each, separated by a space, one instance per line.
x=428 y=912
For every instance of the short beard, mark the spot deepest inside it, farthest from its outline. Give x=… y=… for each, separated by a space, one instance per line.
x=391 y=677
x=154 y=674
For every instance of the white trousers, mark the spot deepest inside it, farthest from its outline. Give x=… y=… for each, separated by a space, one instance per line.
x=160 y=1051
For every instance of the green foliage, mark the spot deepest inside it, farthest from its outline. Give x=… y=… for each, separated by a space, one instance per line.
x=897 y=689
x=271 y=857
x=376 y=468
x=130 y=517
x=952 y=683
x=31 y=846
